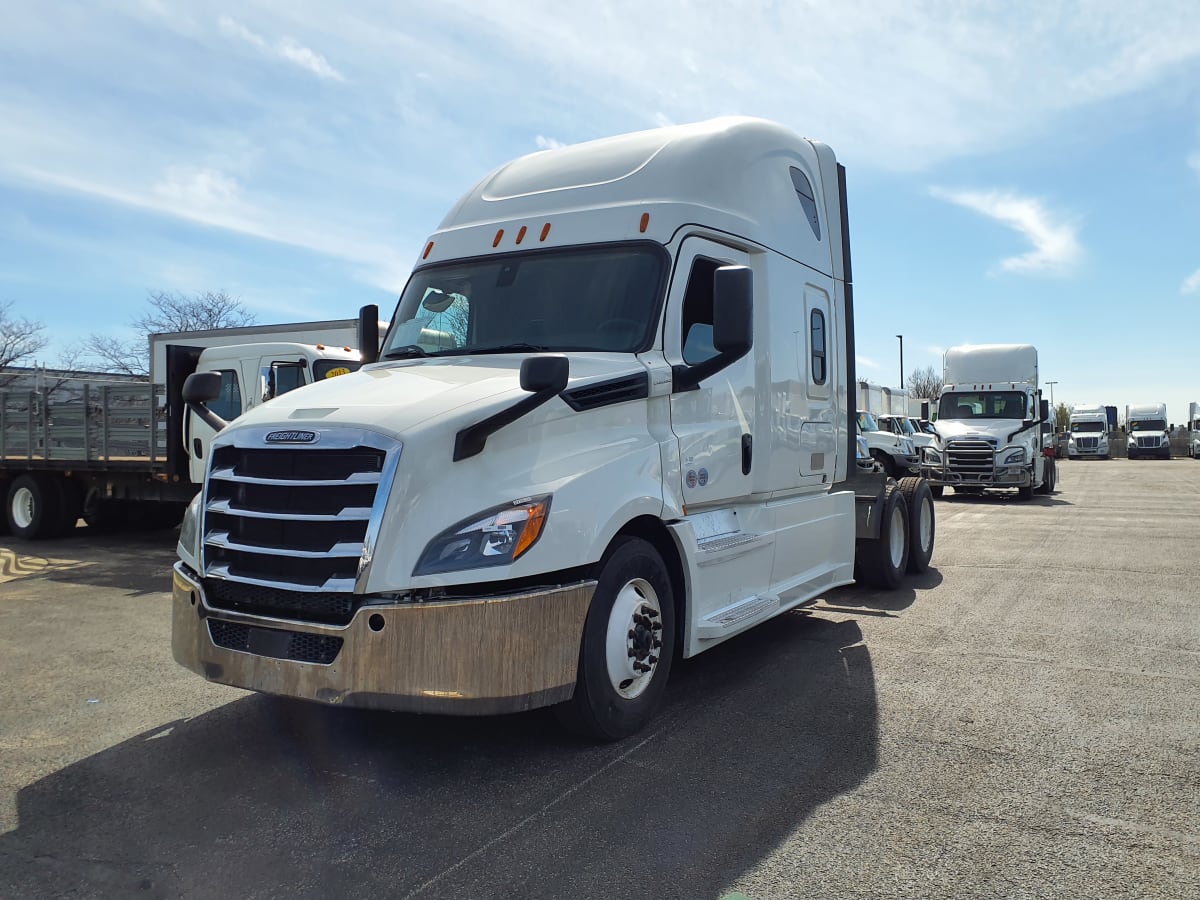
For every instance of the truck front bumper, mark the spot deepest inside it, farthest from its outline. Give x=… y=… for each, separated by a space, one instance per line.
x=1001 y=477
x=908 y=465
x=466 y=657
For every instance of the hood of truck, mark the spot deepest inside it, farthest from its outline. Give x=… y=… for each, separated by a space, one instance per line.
x=393 y=397
x=994 y=430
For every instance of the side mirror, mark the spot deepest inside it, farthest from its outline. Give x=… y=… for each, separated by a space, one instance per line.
x=201 y=388
x=733 y=326
x=368 y=333
x=733 y=310
x=544 y=373
x=1045 y=410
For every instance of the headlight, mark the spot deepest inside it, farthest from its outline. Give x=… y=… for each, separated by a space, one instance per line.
x=496 y=537
x=1013 y=457
x=188 y=548
x=933 y=457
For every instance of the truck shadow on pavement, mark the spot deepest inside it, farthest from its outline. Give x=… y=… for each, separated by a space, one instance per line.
x=1004 y=498
x=858 y=598
x=268 y=797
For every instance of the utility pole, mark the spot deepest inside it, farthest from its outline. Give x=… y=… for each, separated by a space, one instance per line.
x=1053 y=408
x=901 y=360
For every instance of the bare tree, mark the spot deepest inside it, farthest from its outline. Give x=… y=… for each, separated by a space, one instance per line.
x=172 y=311
x=924 y=384
x=20 y=339
x=169 y=311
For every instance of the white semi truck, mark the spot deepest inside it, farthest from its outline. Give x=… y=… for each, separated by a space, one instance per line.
x=1193 y=425
x=119 y=453
x=989 y=431
x=1089 y=433
x=1146 y=430
x=612 y=424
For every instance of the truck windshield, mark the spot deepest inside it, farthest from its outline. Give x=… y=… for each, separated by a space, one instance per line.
x=600 y=299
x=1148 y=425
x=982 y=405
x=867 y=422
x=1088 y=426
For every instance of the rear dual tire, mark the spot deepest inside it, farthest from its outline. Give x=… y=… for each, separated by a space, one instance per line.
x=40 y=505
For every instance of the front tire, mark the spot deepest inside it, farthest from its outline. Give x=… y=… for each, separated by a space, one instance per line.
x=628 y=644
x=885 y=462
x=34 y=507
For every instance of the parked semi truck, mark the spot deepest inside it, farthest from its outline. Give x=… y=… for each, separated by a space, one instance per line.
x=118 y=453
x=891 y=444
x=1146 y=430
x=1193 y=425
x=989 y=431
x=1089 y=432
x=572 y=463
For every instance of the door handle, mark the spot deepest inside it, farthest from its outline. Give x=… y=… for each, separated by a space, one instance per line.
x=747 y=453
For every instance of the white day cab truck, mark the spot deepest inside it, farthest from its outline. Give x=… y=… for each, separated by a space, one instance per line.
x=1146 y=429
x=612 y=424
x=121 y=453
x=989 y=432
x=1089 y=433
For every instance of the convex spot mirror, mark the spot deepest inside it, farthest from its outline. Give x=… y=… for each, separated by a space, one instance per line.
x=544 y=373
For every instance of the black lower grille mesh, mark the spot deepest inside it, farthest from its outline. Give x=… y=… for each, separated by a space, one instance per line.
x=274 y=642
x=327 y=608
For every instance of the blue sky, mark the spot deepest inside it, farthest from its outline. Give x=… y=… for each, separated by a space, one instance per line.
x=1018 y=171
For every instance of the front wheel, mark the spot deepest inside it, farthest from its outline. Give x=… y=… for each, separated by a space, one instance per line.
x=628 y=643
x=34 y=507
x=885 y=462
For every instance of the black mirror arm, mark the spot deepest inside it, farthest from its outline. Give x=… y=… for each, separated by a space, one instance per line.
x=207 y=416
x=471 y=440
x=688 y=378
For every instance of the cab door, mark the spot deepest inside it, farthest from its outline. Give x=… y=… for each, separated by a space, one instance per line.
x=714 y=423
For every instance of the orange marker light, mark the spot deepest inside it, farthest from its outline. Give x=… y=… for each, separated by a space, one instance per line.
x=521 y=234
x=499 y=237
x=545 y=231
x=645 y=222
x=428 y=247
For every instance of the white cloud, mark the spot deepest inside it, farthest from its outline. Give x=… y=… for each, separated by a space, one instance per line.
x=1194 y=162
x=196 y=187
x=546 y=143
x=866 y=362
x=1191 y=284
x=285 y=48
x=1055 y=245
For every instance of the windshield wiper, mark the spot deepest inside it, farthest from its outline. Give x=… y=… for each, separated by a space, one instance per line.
x=406 y=352
x=508 y=348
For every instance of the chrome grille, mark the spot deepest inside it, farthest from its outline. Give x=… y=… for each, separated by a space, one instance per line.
x=971 y=460
x=1150 y=442
x=294 y=519
x=1087 y=443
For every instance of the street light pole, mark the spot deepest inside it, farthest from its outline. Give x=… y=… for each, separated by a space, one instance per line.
x=901 y=360
x=1053 y=408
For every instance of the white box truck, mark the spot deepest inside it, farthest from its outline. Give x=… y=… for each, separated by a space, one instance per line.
x=119 y=453
x=989 y=431
x=1146 y=430
x=612 y=424
x=1088 y=438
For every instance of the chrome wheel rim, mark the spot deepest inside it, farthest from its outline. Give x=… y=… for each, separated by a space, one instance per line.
x=896 y=537
x=634 y=639
x=926 y=524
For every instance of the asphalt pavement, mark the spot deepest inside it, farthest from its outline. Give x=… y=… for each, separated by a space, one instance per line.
x=1021 y=721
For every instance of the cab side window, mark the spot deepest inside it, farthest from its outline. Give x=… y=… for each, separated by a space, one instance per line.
x=228 y=404
x=697 y=326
